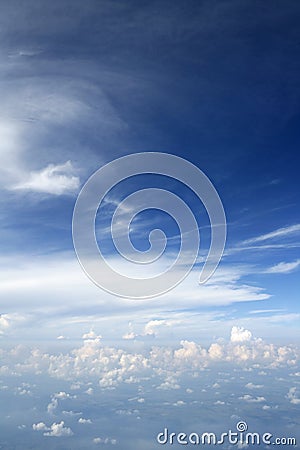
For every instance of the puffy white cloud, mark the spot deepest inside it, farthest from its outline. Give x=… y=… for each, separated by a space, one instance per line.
x=41 y=426
x=189 y=354
x=215 y=351
x=254 y=386
x=52 y=406
x=54 y=179
x=151 y=327
x=61 y=395
x=91 y=335
x=11 y=321
x=179 y=403
x=111 y=366
x=59 y=430
x=129 y=336
x=239 y=334
x=84 y=421
x=293 y=396
x=170 y=383
x=266 y=407
x=4 y=323
x=249 y=399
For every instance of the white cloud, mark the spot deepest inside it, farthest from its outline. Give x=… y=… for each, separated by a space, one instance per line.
x=179 y=403
x=293 y=396
x=54 y=179
x=106 y=440
x=266 y=407
x=215 y=351
x=61 y=284
x=284 y=267
x=4 y=323
x=249 y=399
x=61 y=395
x=239 y=334
x=280 y=232
x=109 y=367
x=129 y=336
x=59 y=430
x=254 y=386
x=91 y=335
x=40 y=426
x=52 y=406
x=11 y=321
x=152 y=326
x=84 y=421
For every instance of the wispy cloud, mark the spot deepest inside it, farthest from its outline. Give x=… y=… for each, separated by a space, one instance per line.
x=54 y=179
x=280 y=232
x=284 y=267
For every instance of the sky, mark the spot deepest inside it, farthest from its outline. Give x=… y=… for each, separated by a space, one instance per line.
x=82 y=84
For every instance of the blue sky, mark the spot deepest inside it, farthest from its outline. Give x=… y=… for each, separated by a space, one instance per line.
x=214 y=82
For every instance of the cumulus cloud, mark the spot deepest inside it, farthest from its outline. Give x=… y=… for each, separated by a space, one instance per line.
x=239 y=334
x=54 y=179
x=52 y=406
x=293 y=396
x=151 y=329
x=59 y=430
x=109 y=367
x=152 y=326
x=129 y=336
x=61 y=395
x=215 y=351
x=91 y=335
x=254 y=386
x=249 y=399
x=84 y=421
x=41 y=426
x=4 y=323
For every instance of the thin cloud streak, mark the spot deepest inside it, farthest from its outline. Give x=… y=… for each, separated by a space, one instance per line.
x=280 y=232
x=284 y=267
